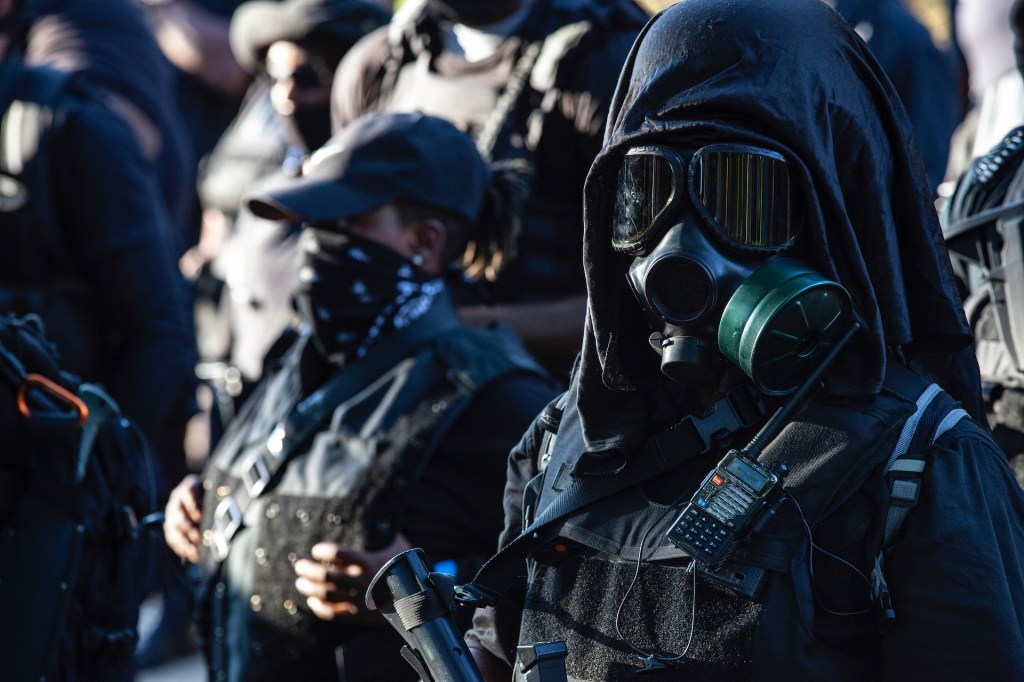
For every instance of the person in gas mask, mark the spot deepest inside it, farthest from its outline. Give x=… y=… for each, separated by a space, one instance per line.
x=385 y=421
x=530 y=81
x=755 y=207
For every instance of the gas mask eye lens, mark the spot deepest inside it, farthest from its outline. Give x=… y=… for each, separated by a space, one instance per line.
x=745 y=195
x=647 y=186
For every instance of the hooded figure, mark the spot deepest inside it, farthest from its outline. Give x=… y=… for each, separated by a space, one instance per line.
x=759 y=201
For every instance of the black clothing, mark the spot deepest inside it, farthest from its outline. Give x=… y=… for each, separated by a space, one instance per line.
x=86 y=252
x=554 y=130
x=109 y=44
x=949 y=573
x=420 y=451
x=870 y=224
x=924 y=77
x=791 y=76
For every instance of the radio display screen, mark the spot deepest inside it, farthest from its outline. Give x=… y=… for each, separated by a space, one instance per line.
x=754 y=479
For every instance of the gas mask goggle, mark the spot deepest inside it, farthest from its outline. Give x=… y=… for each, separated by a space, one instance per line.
x=710 y=237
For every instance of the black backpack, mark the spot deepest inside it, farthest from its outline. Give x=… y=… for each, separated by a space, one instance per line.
x=77 y=496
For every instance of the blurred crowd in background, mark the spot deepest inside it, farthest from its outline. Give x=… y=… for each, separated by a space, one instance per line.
x=221 y=97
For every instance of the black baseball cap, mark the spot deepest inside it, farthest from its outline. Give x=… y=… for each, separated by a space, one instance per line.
x=377 y=159
x=326 y=27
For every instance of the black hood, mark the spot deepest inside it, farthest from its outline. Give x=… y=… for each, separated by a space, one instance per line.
x=793 y=76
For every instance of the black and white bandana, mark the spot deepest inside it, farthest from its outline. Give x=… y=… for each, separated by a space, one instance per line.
x=353 y=290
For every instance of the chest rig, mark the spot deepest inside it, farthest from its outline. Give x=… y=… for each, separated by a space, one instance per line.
x=336 y=465
x=587 y=573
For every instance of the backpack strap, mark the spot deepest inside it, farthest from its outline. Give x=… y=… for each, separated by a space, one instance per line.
x=904 y=474
x=906 y=465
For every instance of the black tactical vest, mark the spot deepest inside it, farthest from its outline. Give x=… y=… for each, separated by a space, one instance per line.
x=583 y=578
x=346 y=484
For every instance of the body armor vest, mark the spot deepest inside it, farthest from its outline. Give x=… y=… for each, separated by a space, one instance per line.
x=584 y=585
x=345 y=484
x=508 y=121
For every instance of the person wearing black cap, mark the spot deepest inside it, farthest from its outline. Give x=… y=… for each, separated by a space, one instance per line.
x=530 y=80
x=384 y=423
x=768 y=464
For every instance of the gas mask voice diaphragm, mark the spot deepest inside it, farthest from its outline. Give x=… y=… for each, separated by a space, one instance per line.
x=731 y=295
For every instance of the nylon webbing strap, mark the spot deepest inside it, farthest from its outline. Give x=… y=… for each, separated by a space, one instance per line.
x=910 y=426
x=690 y=437
x=905 y=473
x=260 y=468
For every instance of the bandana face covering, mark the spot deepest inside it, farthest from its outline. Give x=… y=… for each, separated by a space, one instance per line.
x=353 y=290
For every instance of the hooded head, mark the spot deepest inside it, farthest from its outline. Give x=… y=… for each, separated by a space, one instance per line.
x=792 y=78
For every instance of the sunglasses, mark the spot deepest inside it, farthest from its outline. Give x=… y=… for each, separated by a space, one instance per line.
x=743 y=193
x=309 y=75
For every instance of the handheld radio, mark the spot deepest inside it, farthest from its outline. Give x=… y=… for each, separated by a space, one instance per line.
x=737 y=498
x=740 y=496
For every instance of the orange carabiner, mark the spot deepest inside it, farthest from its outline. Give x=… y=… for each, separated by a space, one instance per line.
x=55 y=390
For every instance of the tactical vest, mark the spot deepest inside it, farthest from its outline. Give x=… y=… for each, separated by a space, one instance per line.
x=508 y=123
x=585 y=586
x=38 y=273
x=348 y=483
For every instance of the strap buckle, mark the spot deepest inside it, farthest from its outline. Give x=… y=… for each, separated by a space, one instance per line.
x=227 y=519
x=737 y=410
x=904 y=478
x=472 y=594
x=255 y=473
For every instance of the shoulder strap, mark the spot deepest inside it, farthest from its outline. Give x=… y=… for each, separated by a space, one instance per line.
x=905 y=467
x=904 y=473
x=508 y=358
x=261 y=467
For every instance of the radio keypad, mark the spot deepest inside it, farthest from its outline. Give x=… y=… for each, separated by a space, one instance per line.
x=701 y=531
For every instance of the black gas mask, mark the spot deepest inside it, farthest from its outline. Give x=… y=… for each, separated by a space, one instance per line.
x=475 y=12
x=712 y=233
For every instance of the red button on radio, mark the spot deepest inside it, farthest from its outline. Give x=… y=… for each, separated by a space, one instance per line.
x=718 y=480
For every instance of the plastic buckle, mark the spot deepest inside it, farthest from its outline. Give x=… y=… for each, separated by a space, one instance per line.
x=721 y=420
x=747 y=403
x=905 y=492
x=227 y=519
x=255 y=473
x=471 y=594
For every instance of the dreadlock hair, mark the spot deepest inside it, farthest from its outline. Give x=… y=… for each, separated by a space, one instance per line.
x=489 y=244
x=494 y=242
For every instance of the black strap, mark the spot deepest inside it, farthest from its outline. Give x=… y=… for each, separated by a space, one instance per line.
x=260 y=469
x=690 y=437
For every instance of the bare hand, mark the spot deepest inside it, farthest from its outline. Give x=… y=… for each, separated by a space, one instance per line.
x=335 y=582
x=182 y=517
